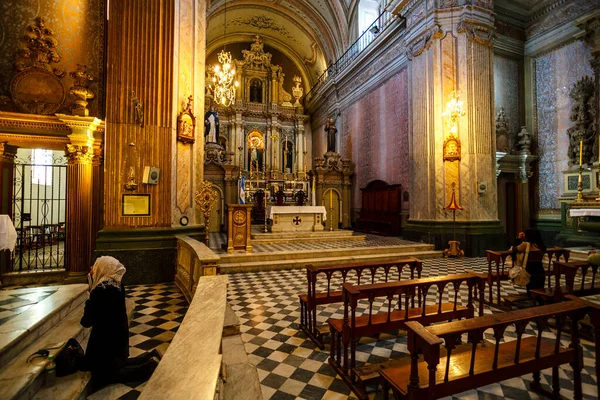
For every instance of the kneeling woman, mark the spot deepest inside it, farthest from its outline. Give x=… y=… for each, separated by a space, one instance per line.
x=107 y=351
x=534 y=266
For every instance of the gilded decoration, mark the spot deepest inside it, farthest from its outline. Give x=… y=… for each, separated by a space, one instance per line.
x=451 y=149
x=77 y=154
x=40 y=49
x=186 y=123
x=256 y=56
x=81 y=90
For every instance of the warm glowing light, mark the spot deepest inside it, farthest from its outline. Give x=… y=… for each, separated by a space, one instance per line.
x=224 y=85
x=454 y=110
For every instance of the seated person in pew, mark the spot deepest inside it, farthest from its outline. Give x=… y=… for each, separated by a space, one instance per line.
x=537 y=249
x=107 y=353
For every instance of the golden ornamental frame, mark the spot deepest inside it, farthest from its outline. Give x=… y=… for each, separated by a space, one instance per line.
x=186 y=124
x=451 y=149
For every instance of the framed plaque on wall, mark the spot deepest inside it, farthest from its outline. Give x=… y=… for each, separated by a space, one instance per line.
x=136 y=205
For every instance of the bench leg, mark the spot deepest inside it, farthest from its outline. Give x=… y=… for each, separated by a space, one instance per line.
x=385 y=388
x=536 y=385
x=555 y=383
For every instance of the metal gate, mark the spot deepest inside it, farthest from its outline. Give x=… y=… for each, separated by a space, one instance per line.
x=39 y=212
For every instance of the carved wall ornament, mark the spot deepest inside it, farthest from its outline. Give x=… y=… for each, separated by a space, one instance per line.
x=524 y=141
x=40 y=49
x=583 y=114
x=424 y=42
x=186 y=123
x=451 y=149
x=502 y=132
x=313 y=58
x=297 y=90
x=81 y=91
x=476 y=32
x=37 y=91
x=256 y=56
x=138 y=108
x=78 y=154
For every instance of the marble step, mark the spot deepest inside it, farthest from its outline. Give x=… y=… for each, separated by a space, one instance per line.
x=257 y=266
x=22 y=380
x=22 y=330
x=291 y=255
x=241 y=378
x=275 y=238
x=231 y=326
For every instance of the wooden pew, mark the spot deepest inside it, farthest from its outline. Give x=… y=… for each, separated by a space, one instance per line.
x=589 y=285
x=498 y=270
x=434 y=371
x=312 y=299
x=404 y=301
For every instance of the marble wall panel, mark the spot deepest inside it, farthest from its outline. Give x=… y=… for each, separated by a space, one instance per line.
x=78 y=27
x=555 y=73
x=374 y=134
x=507 y=77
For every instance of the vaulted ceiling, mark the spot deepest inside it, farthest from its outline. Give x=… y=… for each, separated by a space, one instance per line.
x=312 y=33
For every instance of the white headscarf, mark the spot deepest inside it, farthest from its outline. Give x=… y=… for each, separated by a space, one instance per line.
x=108 y=271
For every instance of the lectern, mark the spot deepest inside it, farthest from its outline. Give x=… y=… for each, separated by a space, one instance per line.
x=238 y=234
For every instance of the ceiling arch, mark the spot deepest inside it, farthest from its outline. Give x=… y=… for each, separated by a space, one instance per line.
x=312 y=33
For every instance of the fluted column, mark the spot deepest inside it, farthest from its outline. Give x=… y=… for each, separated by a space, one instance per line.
x=97 y=181
x=8 y=154
x=80 y=205
x=451 y=52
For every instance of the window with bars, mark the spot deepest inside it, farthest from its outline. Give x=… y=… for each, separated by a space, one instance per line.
x=41 y=170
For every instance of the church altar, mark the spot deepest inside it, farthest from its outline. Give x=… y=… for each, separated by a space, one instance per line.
x=584 y=212
x=296 y=219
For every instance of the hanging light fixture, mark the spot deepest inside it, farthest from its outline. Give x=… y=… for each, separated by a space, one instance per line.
x=223 y=81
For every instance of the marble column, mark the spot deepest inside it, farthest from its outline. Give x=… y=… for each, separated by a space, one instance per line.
x=450 y=51
x=79 y=209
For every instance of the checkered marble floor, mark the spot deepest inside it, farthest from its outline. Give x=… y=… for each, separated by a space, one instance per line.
x=159 y=310
x=291 y=367
x=15 y=300
x=218 y=239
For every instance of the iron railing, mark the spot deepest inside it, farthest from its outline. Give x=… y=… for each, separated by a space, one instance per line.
x=368 y=36
x=39 y=215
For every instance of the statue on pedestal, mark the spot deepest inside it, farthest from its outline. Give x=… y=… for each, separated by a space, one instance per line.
x=524 y=142
x=211 y=125
x=331 y=131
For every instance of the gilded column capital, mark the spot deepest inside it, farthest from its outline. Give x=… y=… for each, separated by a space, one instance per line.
x=82 y=129
x=8 y=153
x=77 y=154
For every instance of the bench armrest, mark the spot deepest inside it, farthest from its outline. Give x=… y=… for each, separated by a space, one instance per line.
x=422 y=332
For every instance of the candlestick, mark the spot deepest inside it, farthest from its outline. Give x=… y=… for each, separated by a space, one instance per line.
x=580 y=152
x=331 y=199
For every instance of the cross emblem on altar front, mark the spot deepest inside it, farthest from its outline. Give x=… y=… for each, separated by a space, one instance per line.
x=297 y=220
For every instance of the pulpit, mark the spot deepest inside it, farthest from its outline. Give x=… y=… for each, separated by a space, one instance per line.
x=238 y=234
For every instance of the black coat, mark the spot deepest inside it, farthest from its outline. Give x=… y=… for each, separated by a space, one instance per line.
x=108 y=347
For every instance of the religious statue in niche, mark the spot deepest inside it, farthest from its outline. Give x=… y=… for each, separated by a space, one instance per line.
x=255 y=152
x=451 y=149
x=256 y=90
x=287 y=156
x=584 y=128
x=331 y=131
x=502 y=133
x=211 y=125
x=186 y=123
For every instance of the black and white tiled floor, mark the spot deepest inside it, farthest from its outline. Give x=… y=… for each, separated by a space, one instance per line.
x=291 y=367
x=159 y=310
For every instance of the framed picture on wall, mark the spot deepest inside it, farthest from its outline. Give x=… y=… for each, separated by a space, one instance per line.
x=136 y=205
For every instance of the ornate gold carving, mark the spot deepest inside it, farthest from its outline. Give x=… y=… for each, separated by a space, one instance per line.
x=239 y=217
x=37 y=91
x=40 y=50
x=297 y=90
x=8 y=153
x=186 y=123
x=81 y=91
x=477 y=32
x=206 y=198
x=424 y=42
x=77 y=154
x=451 y=149
x=256 y=56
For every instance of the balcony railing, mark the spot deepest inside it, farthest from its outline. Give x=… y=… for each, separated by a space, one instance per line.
x=368 y=36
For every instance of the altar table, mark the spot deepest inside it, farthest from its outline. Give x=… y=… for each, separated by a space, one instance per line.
x=584 y=212
x=296 y=219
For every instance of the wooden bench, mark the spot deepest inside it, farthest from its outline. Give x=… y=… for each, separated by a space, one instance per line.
x=434 y=371
x=498 y=270
x=403 y=301
x=310 y=301
x=589 y=285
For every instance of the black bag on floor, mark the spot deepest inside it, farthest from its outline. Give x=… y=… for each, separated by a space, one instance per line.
x=69 y=360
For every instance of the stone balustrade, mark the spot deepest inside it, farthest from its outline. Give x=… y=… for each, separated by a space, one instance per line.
x=190 y=367
x=194 y=260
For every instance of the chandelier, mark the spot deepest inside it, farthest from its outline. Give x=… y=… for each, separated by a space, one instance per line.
x=223 y=80
x=454 y=110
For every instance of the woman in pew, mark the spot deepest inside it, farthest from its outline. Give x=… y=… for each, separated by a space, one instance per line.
x=107 y=353
x=532 y=239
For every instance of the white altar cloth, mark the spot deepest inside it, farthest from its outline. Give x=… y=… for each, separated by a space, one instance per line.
x=296 y=219
x=584 y=212
x=272 y=210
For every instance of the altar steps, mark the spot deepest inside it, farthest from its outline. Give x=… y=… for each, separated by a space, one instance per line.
x=259 y=237
x=255 y=262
